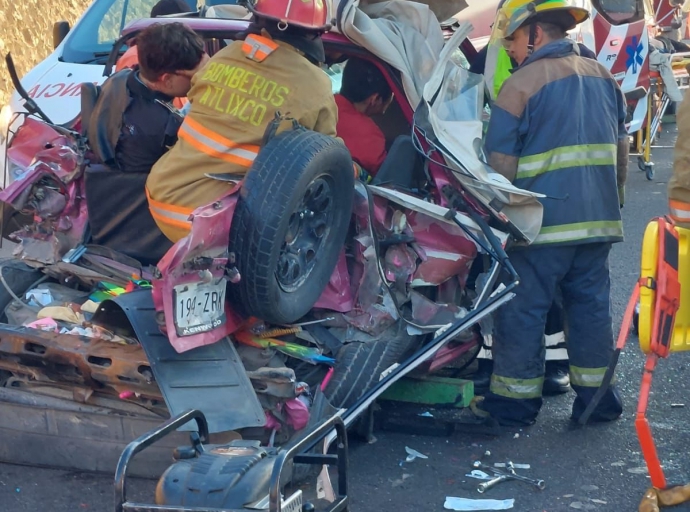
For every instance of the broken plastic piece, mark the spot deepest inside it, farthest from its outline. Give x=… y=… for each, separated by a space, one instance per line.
x=44 y=324
x=479 y=475
x=39 y=297
x=309 y=354
x=466 y=504
x=413 y=454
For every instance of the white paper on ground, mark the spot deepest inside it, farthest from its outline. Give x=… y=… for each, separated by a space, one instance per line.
x=465 y=504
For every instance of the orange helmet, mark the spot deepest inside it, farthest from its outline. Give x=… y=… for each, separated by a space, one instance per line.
x=307 y=14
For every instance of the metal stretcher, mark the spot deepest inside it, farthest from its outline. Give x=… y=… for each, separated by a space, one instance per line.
x=657 y=106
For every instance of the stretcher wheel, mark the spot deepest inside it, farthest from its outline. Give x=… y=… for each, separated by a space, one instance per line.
x=641 y=164
x=649 y=172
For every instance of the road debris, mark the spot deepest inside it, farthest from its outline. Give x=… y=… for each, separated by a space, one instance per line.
x=638 y=471
x=502 y=476
x=466 y=504
x=413 y=454
x=426 y=414
x=588 y=488
x=515 y=466
x=400 y=481
x=599 y=502
x=677 y=406
x=578 y=505
x=479 y=475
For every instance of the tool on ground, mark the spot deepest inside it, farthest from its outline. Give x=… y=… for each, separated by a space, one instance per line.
x=510 y=475
x=658 y=289
x=485 y=486
x=540 y=484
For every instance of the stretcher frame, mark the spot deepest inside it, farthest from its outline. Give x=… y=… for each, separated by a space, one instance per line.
x=658 y=102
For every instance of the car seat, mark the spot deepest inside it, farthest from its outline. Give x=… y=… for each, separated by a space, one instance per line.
x=119 y=215
x=400 y=166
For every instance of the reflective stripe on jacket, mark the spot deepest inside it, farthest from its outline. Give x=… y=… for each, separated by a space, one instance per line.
x=679 y=184
x=554 y=129
x=503 y=70
x=233 y=100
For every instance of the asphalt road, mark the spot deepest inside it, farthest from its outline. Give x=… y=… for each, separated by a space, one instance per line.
x=599 y=468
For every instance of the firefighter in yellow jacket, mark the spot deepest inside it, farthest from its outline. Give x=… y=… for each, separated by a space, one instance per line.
x=275 y=69
x=679 y=184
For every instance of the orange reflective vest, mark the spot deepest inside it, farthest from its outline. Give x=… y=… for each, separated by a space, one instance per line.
x=233 y=100
x=679 y=184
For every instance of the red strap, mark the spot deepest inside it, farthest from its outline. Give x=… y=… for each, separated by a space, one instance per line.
x=644 y=431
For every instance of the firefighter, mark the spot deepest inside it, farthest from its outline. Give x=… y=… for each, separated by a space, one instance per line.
x=679 y=184
x=275 y=69
x=556 y=379
x=575 y=169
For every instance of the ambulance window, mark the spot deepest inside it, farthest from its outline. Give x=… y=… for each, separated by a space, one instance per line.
x=121 y=13
x=620 y=12
x=93 y=36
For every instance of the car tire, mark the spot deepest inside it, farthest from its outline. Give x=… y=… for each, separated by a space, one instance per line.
x=359 y=366
x=290 y=224
x=19 y=277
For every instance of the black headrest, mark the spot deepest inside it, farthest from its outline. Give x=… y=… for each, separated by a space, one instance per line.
x=105 y=120
x=89 y=96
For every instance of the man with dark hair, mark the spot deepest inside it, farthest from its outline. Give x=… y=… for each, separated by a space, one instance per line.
x=169 y=56
x=364 y=93
x=274 y=70
x=130 y=126
x=163 y=8
x=575 y=170
x=140 y=101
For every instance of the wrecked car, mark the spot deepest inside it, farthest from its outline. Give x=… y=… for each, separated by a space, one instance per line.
x=114 y=330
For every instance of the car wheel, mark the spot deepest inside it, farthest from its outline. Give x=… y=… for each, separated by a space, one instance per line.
x=359 y=366
x=290 y=225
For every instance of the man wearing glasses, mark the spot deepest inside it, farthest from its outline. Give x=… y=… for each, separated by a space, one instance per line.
x=139 y=101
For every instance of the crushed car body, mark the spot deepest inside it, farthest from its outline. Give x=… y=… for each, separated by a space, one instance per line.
x=402 y=293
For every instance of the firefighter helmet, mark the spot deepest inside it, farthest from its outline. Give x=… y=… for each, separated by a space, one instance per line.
x=514 y=14
x=306 y=14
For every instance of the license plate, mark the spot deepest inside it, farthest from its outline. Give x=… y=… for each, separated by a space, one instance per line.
x=293 y=503
x=199 y=307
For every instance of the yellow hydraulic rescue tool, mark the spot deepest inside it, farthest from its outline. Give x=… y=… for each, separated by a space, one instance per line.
x=664 y=327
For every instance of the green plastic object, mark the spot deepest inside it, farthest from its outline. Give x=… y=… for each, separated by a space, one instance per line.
x=436 y=391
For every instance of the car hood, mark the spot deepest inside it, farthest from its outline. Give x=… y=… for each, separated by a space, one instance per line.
x=56 y=88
